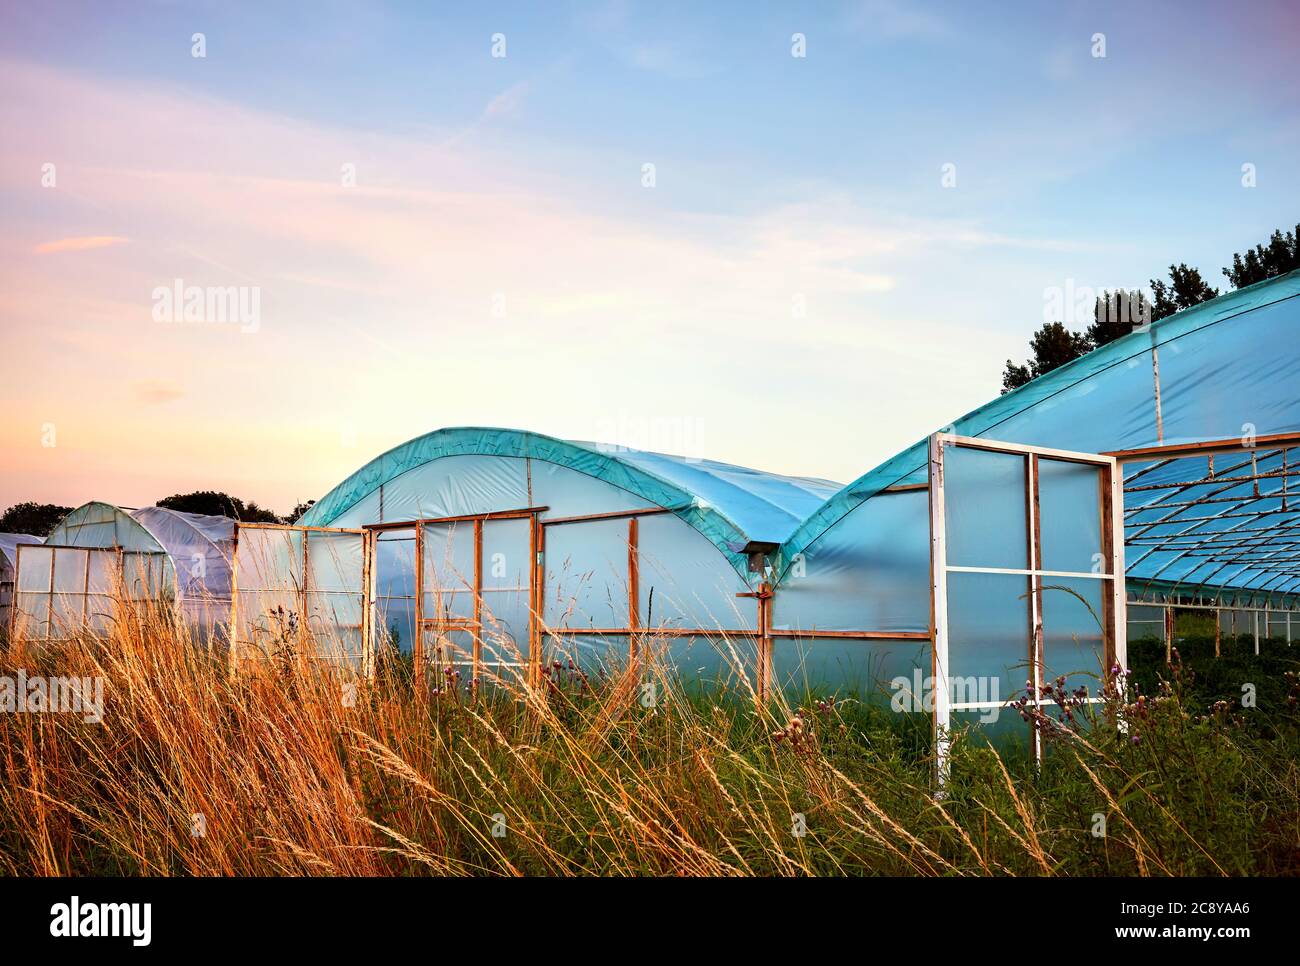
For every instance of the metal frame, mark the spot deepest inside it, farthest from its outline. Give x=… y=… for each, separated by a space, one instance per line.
x=1110 y=503
x=1261 y=549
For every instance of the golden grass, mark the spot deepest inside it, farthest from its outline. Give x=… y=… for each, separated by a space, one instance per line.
x=283 y=773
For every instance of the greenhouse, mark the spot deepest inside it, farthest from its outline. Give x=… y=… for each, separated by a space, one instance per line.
x=8 y=561
x=1008 y=574
x=496 y=548
x=1024 y=543
x=99 y=550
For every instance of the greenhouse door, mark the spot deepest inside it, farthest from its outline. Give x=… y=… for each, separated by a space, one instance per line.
x=1027 y=589
x=477 y=580
x=302 y=590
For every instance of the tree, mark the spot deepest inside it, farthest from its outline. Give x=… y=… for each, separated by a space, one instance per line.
x=38 y=519
x=1116 y=314
x=298 y=511
x=216 y=503
x=1185 y=289
x=1053 y=346
x=1281 y=256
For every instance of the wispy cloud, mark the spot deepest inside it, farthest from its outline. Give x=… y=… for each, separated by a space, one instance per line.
x=156 y=391
x=892 y=20
x=508 y=102
x=79 y=244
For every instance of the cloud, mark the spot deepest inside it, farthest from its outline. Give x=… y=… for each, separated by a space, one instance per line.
x=389 y=288
x=508 y=102
x=79 y=244
x=156 y=391
x=895 y=21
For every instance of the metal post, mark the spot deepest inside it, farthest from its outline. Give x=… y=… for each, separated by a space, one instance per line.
x=939 y=611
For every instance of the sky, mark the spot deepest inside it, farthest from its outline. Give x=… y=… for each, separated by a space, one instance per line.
x=794 y=236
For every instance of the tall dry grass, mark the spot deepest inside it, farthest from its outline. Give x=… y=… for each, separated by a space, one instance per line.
x=296 y=767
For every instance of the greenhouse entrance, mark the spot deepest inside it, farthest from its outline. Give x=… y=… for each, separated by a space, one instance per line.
x=302 y=590
x=477 y=598
x=1027 y=590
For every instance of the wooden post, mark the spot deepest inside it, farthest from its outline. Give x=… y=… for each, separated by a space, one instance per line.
x=1218 y=632
x=368 y=641
x=1169 y=634
x=478 y=604
x=303 y=628
x=232 y=637
x=417 y=646
x=763 y=631
x=49 y=623
x=633 y=590
x=536 y=599
x=1118 y=568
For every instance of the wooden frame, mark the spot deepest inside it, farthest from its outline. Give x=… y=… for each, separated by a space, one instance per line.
x=474 y=625
x=365 y=591
x=1243 y=542
x=85 y=594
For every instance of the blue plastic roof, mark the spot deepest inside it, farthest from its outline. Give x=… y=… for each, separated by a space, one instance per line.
x=730 y=505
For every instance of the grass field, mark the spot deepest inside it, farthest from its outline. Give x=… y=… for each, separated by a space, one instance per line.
x=288 y=769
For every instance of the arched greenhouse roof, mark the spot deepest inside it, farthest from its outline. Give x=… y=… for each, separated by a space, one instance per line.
x=730 y=505
x=201 y=546
x=9 y=543
x=97 y=524
x=1226 y=368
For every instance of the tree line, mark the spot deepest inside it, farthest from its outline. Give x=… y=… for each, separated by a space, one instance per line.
x=1054 y=344
x=39 y=519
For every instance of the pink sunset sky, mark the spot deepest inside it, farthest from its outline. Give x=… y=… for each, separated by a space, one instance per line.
x=498 y=259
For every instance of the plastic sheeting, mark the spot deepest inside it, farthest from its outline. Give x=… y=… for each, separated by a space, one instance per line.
x=98 y=524
x=201 y=547
x=194 y=555
x=62 y=591
x=878 y=671
x=870 y=572
x=8 y=559
x=730 y=505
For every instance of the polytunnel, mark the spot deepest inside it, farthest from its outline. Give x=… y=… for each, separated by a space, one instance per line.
x=8 y=560
x=99 y=550
x=496 y=548
x=1193 y=421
